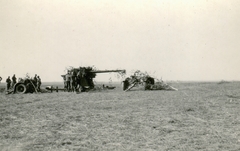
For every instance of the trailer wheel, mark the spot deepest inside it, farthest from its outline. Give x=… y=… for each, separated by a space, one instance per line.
x=21 y=88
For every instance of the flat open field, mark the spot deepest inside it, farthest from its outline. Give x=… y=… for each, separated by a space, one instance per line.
x=200 y=116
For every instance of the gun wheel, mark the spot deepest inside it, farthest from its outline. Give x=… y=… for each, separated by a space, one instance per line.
x=21 y=88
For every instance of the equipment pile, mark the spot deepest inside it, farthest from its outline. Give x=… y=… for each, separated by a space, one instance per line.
x=142 y=78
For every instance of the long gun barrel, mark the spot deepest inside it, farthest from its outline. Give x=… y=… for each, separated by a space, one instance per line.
x=103 y=71
x=106 y=71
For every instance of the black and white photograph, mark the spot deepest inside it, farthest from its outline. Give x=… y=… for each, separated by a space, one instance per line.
x=119 y=75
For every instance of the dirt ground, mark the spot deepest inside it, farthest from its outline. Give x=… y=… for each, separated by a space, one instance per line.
x=200 y=116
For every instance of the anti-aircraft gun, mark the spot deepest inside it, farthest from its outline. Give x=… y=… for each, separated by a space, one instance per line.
x=84 y=75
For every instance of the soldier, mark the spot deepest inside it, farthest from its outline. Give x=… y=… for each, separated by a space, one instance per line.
x=0 y=79
x=14 y=80
x=73 y=82
x=35 y=80
x=39 y=83
x=78 y=79
x=8 y=81
x=64 y=82
x=68 y=81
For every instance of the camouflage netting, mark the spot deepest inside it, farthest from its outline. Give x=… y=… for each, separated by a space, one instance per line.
x=143 y=78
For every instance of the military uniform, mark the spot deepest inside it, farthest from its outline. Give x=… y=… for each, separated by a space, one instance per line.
x=68 y=81
x=14 y=80
x=8 y=81
x=39 y=82
x=35 y=80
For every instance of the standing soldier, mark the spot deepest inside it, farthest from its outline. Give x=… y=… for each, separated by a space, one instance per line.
x=35 y=80
x=0 y=79
x=64 y=82
x=39 y=83
x=68 y=81
x=8 y=81
x=14 y=80
x=73 y=81
x=78 y=80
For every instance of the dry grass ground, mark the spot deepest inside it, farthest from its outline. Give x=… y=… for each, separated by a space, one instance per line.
x=200 y=116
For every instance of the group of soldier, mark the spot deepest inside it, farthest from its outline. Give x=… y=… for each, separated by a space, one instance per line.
x=75 y=80
x=37 y=82
x=70 y=82
x=10 y=83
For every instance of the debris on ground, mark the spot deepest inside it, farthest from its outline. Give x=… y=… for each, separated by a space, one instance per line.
x=149 y=83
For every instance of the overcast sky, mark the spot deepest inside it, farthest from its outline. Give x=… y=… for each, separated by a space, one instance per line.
x=173 y=39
